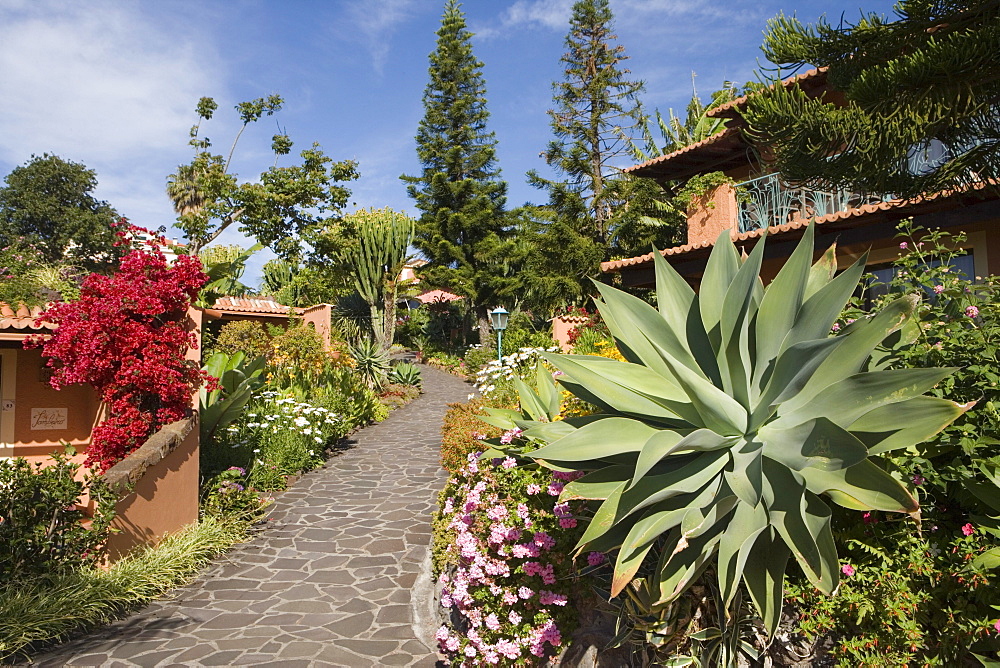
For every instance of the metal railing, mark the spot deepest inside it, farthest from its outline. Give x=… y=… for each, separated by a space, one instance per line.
x=766 y=201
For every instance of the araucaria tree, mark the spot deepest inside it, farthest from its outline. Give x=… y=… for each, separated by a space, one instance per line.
x=596 y=108
x=284 y=208
x=49 y=201
x=126 y=337
x=459 y=192
x=923 y=111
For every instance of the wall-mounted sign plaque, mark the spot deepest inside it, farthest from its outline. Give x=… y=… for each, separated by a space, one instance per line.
x=48 y=418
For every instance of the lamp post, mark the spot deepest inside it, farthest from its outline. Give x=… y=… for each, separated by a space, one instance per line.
x=499 y=317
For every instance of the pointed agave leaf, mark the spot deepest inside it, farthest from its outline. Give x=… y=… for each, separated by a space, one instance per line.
x=738 y=308
x=717 y=410
x=643 y=330
x=656 y=521
x=604 y=518
x=788 y=374
x=745 y=474
x=738 y=539
x=502 y=418
x=665 y=443
x=674 y=295
x=847 y=400
x=530 y=402
x=690 y=475
x=821 y=310
x=621 y=386
x=722 y=267
x=863 y=486
x=781 y=302
x=548 y=393
x=905 y=423
x=852 y=351
x=822 y=272
x=603 y=438
x=699 y=520
x=816 y=443
x=764 y=575
x=803 y=524
x=683 y=566
x=600 y=484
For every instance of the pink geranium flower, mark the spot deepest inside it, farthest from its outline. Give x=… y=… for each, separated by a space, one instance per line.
x=847 y=570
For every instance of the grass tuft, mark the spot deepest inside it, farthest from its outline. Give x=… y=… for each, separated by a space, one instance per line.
x=38 y=612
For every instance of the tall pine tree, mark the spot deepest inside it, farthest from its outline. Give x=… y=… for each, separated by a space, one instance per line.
x=459 y=193
x=596 y=107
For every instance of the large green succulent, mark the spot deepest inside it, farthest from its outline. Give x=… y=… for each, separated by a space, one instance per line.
x=735 y=419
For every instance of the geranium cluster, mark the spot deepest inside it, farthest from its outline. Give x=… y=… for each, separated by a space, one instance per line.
x=126 y=337
x=505 y=569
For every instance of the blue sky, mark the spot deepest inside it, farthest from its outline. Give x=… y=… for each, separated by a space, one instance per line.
x=113 y=84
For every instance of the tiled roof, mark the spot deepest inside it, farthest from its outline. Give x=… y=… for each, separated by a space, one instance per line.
x=437 y=296
x=251 y=305
x=728 y=110
x=709 y=141
x=23 y=318
x=858 y=212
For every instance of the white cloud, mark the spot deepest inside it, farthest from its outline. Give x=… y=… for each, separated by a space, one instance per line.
x=547 y=14
x=95 y=81
x=373 y=22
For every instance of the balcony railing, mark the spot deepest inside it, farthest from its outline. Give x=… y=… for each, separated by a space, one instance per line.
x=767 y=201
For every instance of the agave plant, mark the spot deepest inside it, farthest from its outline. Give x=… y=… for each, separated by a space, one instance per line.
x=734 y=421
x=371 y=362
x=405 y=373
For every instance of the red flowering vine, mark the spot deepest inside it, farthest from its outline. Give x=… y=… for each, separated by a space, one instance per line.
x=125 y=336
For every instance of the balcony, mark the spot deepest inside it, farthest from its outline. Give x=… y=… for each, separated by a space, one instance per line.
x=767 y=201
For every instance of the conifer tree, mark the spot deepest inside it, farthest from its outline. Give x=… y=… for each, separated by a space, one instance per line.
x=596 y=107
x=923 y=110
x=459 y=192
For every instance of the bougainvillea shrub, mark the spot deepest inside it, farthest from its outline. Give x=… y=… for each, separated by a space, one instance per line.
x=126 y=337
x=503 y=548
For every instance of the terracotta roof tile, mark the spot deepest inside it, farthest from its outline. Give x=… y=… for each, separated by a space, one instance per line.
x=714 y=139
x=251 y=305
x=722 y=110
x=23 y=318
x=857 y=212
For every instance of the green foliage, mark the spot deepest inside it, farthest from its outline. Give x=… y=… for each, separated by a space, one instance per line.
x=238 y=377
x=463 y=432
x=229 y=495
x=459 y=192
x=734 y=413
x=299 y=349
x=44 y=610
x=412 y=326
x=371 y=363
x=41 y=526
x=49 y=202
x=245 y=336
x=285 y=207
x=405 y=374
x=225 y=266
x=928 y=598
x=383 y=238
x=700 y=186
x=924 y=79
x=26 y=278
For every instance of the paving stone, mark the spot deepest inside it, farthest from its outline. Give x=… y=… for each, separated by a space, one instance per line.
x=327 y=583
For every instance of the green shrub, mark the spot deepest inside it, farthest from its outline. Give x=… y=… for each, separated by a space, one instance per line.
x=298 y=349
x=411 y=327
x=230 y=495
x=42 y=610
x=464 y=432
x=41 y=527
x=244 y=336
x=930 y=597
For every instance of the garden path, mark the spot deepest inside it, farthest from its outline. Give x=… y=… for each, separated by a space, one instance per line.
x=330 y=582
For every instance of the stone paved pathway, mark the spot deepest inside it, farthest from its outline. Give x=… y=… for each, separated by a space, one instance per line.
x=332 y=580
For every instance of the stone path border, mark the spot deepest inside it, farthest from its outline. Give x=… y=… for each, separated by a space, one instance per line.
x=334 y=580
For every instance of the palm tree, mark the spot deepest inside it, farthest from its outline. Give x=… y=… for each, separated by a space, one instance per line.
x=184 y=190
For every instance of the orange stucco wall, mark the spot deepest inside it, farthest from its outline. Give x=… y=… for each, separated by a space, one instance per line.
x=319 y=317
x=561 y=327
x=711 y=214
x=164 y=500
x=32 y=391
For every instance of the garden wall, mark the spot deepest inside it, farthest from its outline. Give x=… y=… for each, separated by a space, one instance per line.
x=157 y=486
